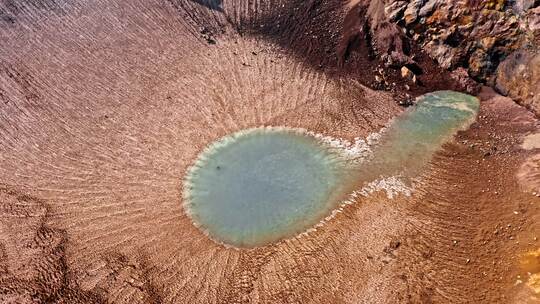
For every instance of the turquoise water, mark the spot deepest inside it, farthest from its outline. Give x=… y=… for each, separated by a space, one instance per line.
x=261 y=185
x=413 y=137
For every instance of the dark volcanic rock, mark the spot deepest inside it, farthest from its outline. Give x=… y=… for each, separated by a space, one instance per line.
x=465 y=82
x=384 y=37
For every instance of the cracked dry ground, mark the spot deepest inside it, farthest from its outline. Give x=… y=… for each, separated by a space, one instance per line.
x=104 y=105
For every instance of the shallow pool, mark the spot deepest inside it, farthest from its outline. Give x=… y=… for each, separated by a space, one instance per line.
x=260 y=185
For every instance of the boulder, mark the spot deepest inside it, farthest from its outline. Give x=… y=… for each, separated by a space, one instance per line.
x=429 y=7
x=395 y=10
x=411 y=13
x=519 y=78
x=521 y=6
x=465 y=82
x=406 y=73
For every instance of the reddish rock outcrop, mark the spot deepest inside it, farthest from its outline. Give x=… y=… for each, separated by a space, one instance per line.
x=519 y=77
x=471 y=38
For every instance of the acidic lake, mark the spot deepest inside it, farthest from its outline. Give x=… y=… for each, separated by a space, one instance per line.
x=261 y=185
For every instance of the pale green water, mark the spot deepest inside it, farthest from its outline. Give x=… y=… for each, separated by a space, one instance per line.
x=258 y=185
x=262 y=185
x=414 y=136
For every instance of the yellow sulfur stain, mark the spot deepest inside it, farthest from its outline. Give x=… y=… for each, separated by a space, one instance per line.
x=534 y=283
x=531 y=263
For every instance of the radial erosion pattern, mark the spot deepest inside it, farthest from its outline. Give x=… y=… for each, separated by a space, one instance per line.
x=105 y=106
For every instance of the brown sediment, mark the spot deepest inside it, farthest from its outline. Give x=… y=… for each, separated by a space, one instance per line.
x=105 y=106
x=33 y=267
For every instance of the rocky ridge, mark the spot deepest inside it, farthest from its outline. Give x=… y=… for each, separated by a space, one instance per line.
x=491 y=42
